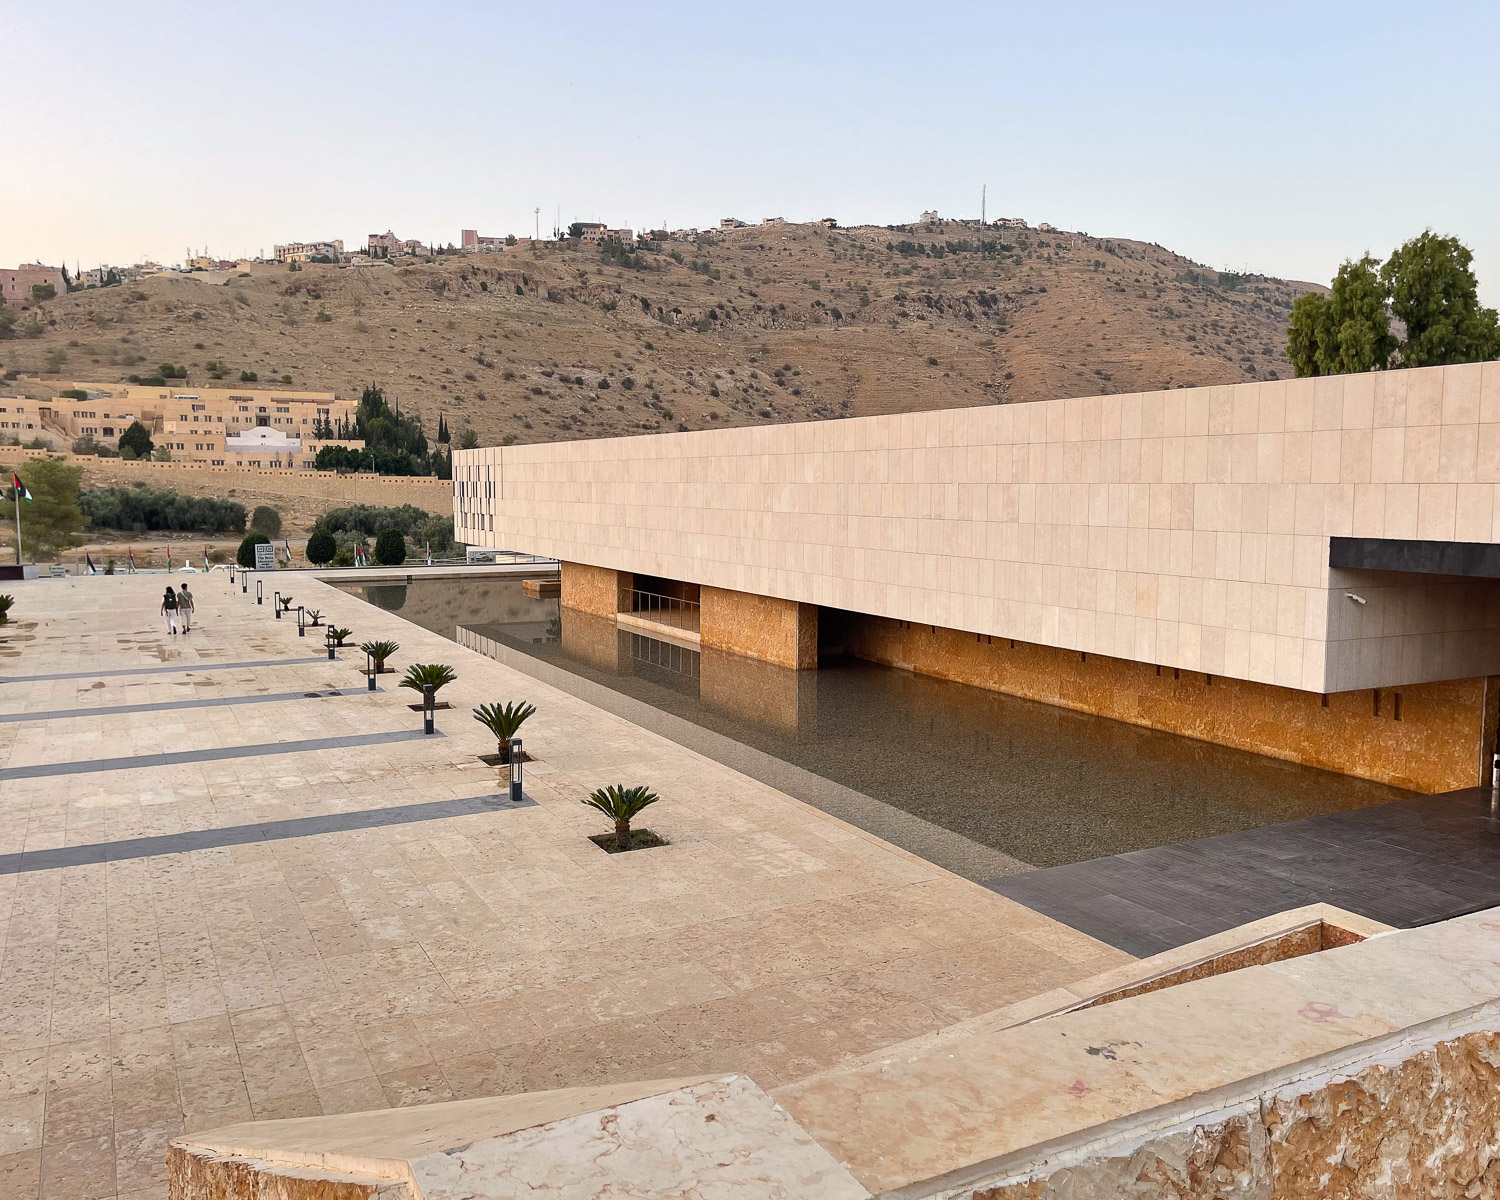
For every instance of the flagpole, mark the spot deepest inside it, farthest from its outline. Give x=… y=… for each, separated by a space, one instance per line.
x=18 y=526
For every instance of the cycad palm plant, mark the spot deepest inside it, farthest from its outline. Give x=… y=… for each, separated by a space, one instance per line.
x=621 y=805
x=380 y=651
x=339 y=635
x=419 y=675
x=5 y=603
x=504 y=722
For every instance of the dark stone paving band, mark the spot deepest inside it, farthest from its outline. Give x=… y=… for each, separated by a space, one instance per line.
x=217 y=754
x=245 y=835
x=115 y=710
x=185 y=668
x=1407 y=863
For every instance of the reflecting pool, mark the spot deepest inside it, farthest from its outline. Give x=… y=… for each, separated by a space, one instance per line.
x=1042 y=784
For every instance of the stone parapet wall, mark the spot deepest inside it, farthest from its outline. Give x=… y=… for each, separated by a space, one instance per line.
x=1431 y=737
x=301 y=494
x=1424 y=1125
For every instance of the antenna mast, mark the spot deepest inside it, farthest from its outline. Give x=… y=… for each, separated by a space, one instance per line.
x=983 y=196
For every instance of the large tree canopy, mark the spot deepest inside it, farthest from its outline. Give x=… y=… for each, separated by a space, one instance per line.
x=1427 y=285
x=1435 y=295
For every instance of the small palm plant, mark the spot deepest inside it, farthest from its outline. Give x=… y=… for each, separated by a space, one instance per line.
x=380 y=651
x=315 y=616
x=5 y=603
x=419 y=675
x=504 y=722
x=286 y=604
x=621 y=805
x=340 y=634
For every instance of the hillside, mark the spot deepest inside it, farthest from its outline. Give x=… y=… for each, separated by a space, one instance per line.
x=773 y=323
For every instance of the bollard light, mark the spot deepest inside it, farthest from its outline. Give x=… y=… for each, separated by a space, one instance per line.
x=516 y=756
x=258 y=584
x=301 y=623
x=276 y=604
x=427 y=708
x=328 y=641
x=370 y=669
x=244 y=583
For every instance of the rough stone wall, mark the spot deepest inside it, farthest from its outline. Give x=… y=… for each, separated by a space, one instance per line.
x=590 y=589
x=777 y=631
x=195 y=1175
x=1435 y=746
x=1428 y=1125
x=300 y=495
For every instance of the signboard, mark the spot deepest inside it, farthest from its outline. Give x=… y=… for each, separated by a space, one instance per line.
x=265 y=556
x=58 y=571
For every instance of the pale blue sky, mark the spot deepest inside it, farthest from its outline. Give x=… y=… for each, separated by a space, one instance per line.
x=1279 y=137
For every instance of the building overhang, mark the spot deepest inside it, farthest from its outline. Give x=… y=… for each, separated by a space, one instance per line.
x=1477 y=560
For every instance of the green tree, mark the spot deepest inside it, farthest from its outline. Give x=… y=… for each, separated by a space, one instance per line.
x=442 y=433
x=137 y=439
x=390 y=548
x=54 y=521
x=42 y=292
x=468 y=440
x=245 y=555
x=1346 y=331
x=1433 y=293
x=266 y=520
x=320 y=548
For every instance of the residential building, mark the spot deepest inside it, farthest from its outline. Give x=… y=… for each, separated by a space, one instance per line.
x=773 y=221
x=624 y=236
x=1307 y=568
x=1046 y=227
x=827 y=222
x=197 y=424
x=928 y=217
x=332 y=251
x=388 y=245
x=732 y=223
x=592 y=232
x=16 y=284
x=18 y=417
x=1009 y=222
x=471 y=239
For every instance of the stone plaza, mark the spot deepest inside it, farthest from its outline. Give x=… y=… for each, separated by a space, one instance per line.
x=235 y=885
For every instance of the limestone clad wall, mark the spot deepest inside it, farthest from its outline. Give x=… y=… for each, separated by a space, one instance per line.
x=1187 y=528
x=1431 y=737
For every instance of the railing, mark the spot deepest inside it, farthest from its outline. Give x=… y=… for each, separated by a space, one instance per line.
x=665 y=610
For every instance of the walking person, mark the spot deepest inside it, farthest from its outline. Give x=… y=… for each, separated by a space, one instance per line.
x=185 y=608
x=169 y=609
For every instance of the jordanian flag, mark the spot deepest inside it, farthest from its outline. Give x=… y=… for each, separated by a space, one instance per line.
x=20 y=487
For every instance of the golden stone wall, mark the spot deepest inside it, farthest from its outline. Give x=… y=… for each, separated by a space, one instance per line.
x=1430 y=737
x=783 y=632
x=591 y=589
x=1426 y=1126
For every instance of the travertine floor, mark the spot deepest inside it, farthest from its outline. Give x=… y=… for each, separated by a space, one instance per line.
x=291 y=970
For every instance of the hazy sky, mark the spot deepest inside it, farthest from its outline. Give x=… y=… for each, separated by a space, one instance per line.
x=1276 y=137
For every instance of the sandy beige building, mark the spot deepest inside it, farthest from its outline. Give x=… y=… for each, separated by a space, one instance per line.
x=203 y=424
x=1305 y=568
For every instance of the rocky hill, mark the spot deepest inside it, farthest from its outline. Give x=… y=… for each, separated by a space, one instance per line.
x=766 y=324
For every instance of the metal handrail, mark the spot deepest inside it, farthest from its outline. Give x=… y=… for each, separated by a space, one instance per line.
x=667 y=610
